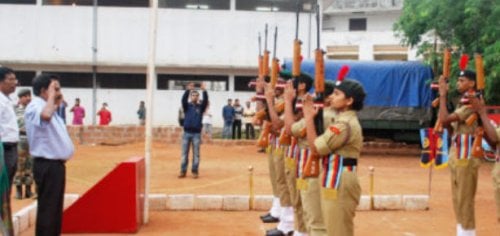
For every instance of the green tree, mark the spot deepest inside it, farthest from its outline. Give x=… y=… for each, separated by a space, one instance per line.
x=467 y=26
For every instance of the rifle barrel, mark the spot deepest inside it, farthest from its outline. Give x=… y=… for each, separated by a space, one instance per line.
x=318 y=26
x=275 y=40
x=265 y=39
x=297 y=20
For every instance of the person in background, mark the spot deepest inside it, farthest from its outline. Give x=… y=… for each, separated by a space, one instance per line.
x=9 y=134
x=61 y=110
x=78 y=113
x=180 y=116
x=141 y=113
x=238 y=114
x=207 y=122
x=104 y=115
x=24 y=173
x=193 y=111
x=51 y=148
x=248 y=114
x=228 y=116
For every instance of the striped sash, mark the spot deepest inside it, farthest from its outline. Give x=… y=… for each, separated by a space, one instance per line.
x=463 y=143
x=303 y=155
x=333 y=166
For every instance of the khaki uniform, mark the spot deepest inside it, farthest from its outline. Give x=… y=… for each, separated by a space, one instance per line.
x=290 y=170
x=24 y=173
x=279 y=168
x=309 y=187
x=340 y=190
x=496 y=176
x=464 y=169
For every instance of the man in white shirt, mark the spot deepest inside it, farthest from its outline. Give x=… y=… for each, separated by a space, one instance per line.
x=248 y=114
x=9 y=134
x=9 y=131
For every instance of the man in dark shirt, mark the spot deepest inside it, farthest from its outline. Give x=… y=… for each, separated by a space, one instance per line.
x=228 y=115
x=193 y=114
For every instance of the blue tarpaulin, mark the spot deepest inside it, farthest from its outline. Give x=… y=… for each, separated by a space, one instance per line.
x=387 y=83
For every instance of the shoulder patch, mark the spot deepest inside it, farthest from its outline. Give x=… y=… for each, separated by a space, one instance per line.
x=334 y=129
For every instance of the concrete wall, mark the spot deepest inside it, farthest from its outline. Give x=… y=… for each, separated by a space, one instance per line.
x=186 y=38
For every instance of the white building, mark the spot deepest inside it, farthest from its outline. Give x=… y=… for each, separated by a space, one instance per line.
x=201 y=40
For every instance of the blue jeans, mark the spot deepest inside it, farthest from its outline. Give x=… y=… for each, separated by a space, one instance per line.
x=226 y=132
x=188 y=139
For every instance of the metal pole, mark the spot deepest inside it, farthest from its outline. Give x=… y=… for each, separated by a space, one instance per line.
x=150 y=86
x=250 y=187
x=372 y=201
x=309 y=34
x=94 y=62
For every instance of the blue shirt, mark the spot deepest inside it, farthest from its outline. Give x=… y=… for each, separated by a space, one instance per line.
x=47 y=139
x=228 y=113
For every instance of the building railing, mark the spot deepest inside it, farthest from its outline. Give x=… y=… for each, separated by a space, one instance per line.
x=364 y=5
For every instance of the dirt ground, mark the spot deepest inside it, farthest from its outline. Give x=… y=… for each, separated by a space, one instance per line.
x=224 y=170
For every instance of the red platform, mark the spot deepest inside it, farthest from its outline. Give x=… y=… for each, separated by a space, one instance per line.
x=114 y=205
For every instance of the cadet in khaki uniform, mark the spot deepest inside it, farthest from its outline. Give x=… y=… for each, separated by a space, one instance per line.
x=340 y=147
x=24 y=173
x=286 y=224
x=298 y=87
x=309 y=187
x=493 y=138
x=496 y=175
x=463 y=166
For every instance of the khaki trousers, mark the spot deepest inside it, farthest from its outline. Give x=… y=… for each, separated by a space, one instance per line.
x=496 y=186
x=272 y=172
x=290 y=169
x=339 y=205
x=281 y=186
x=464 y=175
x=311 y=203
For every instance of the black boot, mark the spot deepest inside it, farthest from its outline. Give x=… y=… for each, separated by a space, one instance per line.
x=19 y=192
x=28 y=193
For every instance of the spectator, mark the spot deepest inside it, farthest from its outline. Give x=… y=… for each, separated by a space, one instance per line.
x=61 y=110
x=9 y=133
x=24 y=173
x=51 y=148
x=104 y=115
x=207 y=121
x=78 y=113
x=228 y=116
x=180 y=117
x=192 y=127
x=142 y=113
x=238 y=114
x=248 y=114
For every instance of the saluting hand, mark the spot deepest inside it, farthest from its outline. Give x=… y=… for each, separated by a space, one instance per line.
x=202 y=86
x=289 y=93
x=308 y=107
x=190 y=86
x=443 y=86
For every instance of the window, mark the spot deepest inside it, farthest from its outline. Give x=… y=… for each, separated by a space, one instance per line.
x=104 y=80
x=241 y=83
x=121 y=81
x=266 y=5
x=115 y=3
x=179 y=82
x=74 y=80
x=357 y=24
x=195 y=4
x=17 y=1
x=25 y=78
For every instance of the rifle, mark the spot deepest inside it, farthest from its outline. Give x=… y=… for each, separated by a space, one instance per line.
x=275 y=67
x=438 y=127
x=477 y=148
x=262 y=114
x=311 y=168
x=479 y=85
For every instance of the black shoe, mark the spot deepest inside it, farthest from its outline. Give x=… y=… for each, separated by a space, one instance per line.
x=182 y=175
x=277 y=232
x=195 y=175
x=270 y=219
x=19 y=192
x=28 y=193
x=264 y=216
